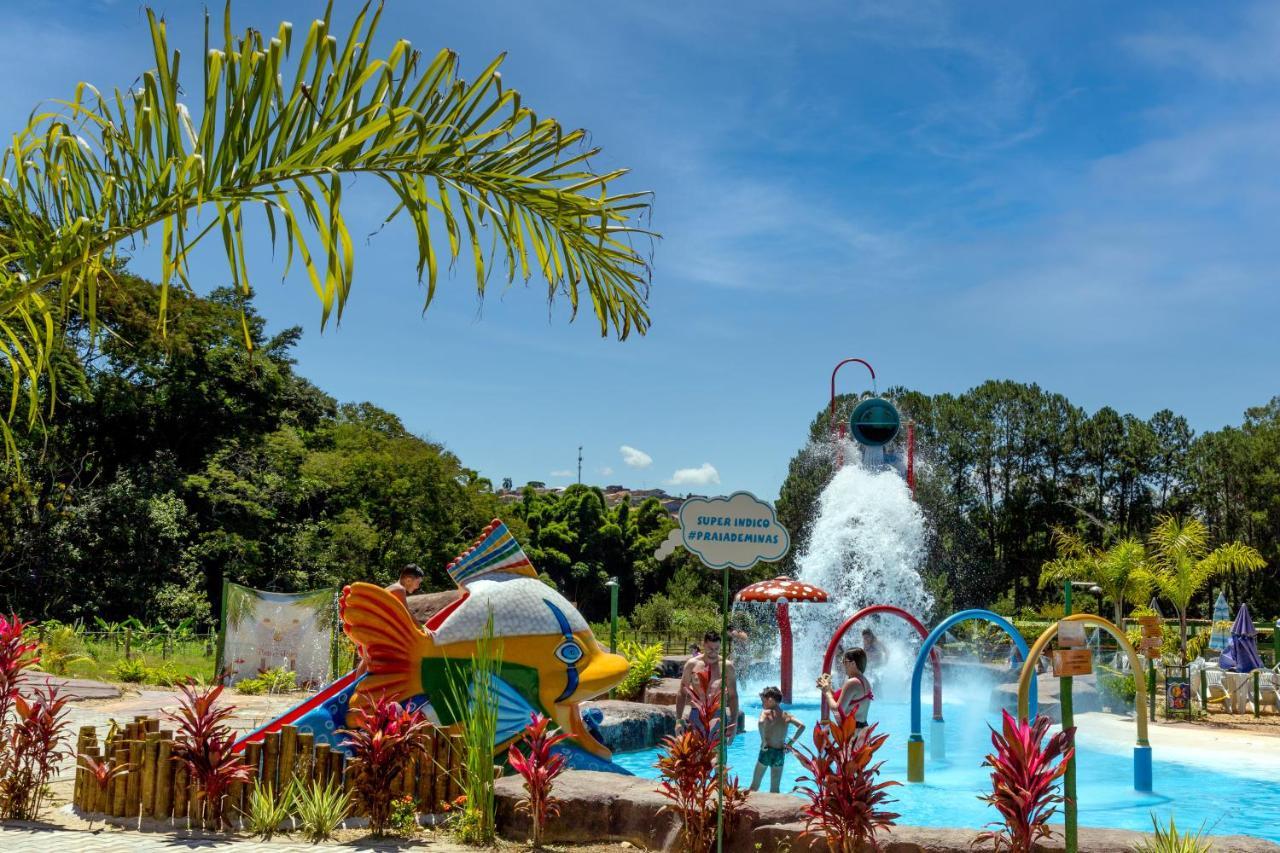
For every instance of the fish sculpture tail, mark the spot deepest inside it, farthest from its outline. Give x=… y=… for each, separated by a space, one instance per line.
x=387 y=638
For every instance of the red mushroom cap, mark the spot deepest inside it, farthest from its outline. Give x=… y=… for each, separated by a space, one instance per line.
x=782 y=589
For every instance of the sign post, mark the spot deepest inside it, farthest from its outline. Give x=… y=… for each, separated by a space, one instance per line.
x=735 y=532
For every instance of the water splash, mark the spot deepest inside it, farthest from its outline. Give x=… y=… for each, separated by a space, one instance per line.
x=866 y=546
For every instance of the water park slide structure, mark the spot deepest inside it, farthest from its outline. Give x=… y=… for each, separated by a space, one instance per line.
x=546 y=660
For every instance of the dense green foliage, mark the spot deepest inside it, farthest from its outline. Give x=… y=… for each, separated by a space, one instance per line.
x=179 y=460
x=1002 y=465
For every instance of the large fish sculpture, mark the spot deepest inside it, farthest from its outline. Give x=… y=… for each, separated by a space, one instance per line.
x=550 y=660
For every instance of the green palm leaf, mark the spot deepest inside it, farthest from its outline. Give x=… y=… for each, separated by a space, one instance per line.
x=277 y=127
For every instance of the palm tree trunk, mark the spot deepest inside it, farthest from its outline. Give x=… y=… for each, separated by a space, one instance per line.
x=1182 y=627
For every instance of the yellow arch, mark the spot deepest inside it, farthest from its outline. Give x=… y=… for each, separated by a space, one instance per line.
x=1037 y=648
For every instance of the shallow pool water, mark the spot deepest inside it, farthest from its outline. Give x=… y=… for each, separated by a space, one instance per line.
x=1224 y=801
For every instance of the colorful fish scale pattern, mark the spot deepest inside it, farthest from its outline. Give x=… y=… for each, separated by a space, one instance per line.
x=496 y=550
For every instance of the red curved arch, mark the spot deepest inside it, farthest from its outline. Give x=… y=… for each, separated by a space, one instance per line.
x=934 y=658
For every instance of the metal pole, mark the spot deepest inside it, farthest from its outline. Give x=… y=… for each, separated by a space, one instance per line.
x=1151 y=686
x=724 y=713
x=1068 y=720
x=1275 y=644
x=612 y=583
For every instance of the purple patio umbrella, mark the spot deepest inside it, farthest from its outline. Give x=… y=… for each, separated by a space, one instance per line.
x=1241 y=653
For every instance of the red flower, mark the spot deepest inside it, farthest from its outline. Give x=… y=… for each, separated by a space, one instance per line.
x=539 y=768
x=1024 y=779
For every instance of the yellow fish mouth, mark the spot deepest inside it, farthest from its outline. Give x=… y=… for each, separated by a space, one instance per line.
x=604 y=672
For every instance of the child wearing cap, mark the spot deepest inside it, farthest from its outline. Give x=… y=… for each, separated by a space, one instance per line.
x=774 y=744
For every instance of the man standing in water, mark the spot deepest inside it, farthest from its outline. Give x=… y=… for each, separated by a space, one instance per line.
x=708 y=661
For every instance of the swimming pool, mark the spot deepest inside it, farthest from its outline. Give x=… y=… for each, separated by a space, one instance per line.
x=1225 y=799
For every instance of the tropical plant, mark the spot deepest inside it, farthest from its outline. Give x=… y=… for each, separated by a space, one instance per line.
x=642 y=665
x=130 y=670
x=35 y=747
x=267 y=811
x=269 y=129
x=385 y=738
x=278 y=680
x=539 y=769
x=101 y=771
x=1119 y=571
x=1171 y=840
x=845 y=800
x=404 y=815
x=473 y=702
x=320 y=809
x=1024 y=777
x=692 y=778
x=203 y=742
x=18 y=652
x=1181 y=564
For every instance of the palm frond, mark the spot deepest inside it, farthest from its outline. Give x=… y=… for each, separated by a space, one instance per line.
x=279 y=127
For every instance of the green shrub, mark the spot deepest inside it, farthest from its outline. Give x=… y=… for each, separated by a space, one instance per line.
x=320 y=809
x=165 y=675
x=642 y=665
x=251 y=687
x=1172 y=841
x=267 y=811
x=279 y=680
x=1117 y=690
x=404 y=816
x=61 y=648
x=130 y=670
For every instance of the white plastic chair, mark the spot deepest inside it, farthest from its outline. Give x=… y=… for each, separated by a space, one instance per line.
x=1216 y=691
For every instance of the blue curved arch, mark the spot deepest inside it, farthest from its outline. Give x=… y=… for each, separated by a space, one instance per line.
x=917 y=671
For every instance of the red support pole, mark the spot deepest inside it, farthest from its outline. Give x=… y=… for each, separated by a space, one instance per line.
x=784 y=629
x=911 y=457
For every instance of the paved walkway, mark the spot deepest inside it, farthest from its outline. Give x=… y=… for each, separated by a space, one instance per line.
x=45 y=839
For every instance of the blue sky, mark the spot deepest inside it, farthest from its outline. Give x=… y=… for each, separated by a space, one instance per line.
x=1081 y=195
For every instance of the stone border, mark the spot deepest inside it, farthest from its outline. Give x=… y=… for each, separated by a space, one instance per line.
x=607 y=807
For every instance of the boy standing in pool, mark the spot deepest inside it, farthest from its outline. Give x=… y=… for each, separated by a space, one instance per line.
x=774 y=744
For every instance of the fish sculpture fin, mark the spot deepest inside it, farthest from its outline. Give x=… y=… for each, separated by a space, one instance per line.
x=513 y=710
x=495 y=550
x=388 y=640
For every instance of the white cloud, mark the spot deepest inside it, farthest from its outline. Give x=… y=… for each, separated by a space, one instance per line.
x=635 y=458
x=1244 y=53
x=561 y=473
x=704 y=475
x=606 y=471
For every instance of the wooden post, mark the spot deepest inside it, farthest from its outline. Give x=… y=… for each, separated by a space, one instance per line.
x=336 y=759
x=322 y=763
x=133 y=793
x=423 y=792
x=456 y=751
x=179 y=791
x=288 y=757
x=195 y=808
x=120 y=785
x=271 y=760
x=163 y=807
x=85 y=737
x=128 y=641
x=441 y=783
x=306 y=762
x=150 y=751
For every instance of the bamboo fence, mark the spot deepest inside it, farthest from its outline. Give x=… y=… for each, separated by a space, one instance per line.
x=156 y=786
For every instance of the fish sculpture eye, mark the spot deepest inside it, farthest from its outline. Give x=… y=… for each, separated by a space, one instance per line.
x=569 y=652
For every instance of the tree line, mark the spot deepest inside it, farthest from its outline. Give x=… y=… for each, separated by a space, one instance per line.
x=1005 y=464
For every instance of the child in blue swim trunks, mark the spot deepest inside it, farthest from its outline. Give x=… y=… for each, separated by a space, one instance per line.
x=774 y=744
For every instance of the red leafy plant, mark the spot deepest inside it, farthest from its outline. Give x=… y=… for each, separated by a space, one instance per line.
x=690 y=773
x=386 y=736
x=1024 y=777
x=101 y=771
x=539 y=768
x=845 y=800
x=31 y=738
x=35 y=746
x=203 y=743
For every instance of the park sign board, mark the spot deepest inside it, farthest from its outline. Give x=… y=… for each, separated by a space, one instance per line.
x=736 y=532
